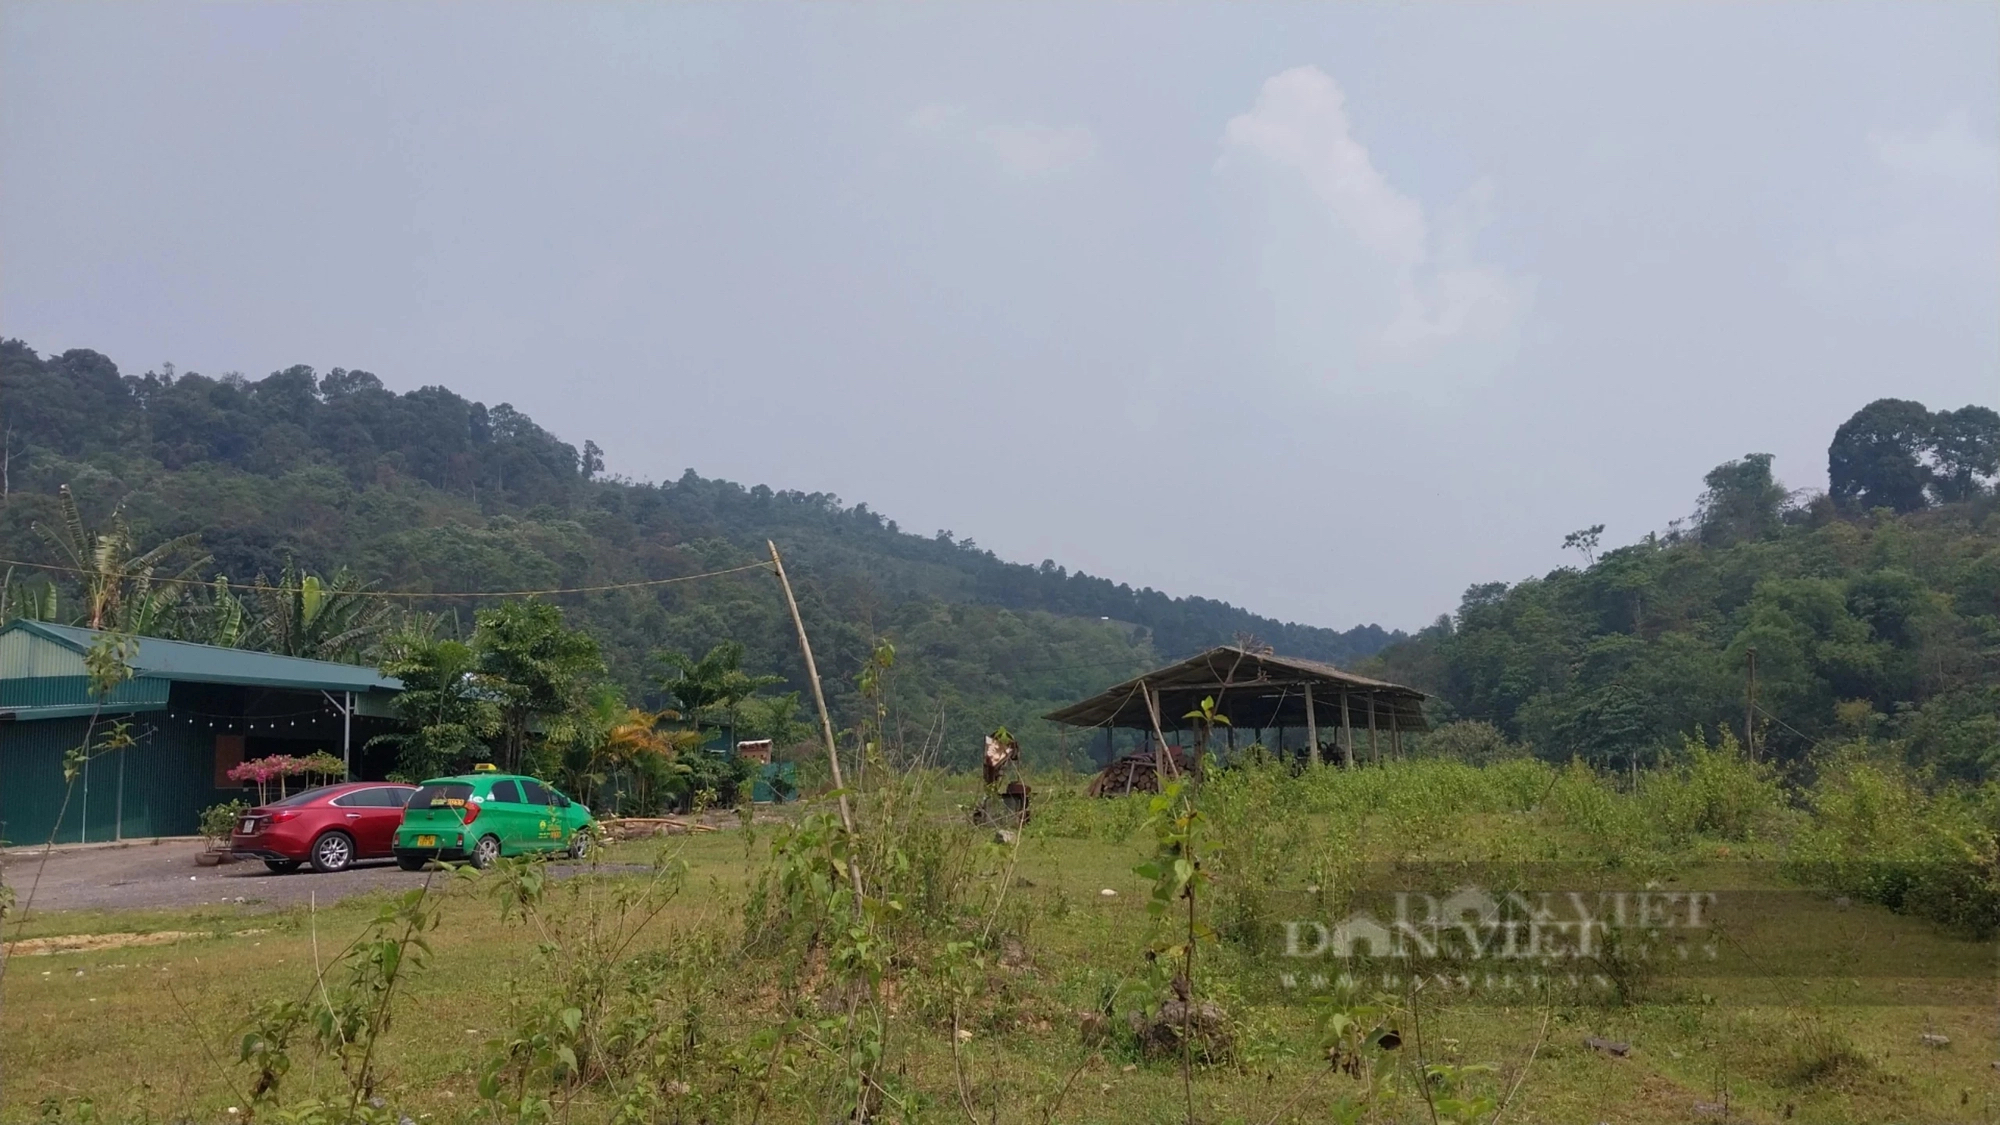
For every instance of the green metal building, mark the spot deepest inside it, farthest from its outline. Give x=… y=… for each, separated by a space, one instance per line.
x=195 y=711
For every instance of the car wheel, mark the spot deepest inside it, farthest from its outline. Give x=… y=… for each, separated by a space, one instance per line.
x=579 y=843
x=333 y=851
x=412 y=862
x=282 y=866
x=485 y=852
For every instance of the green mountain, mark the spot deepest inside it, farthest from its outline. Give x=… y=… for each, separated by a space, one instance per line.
x=428 y=491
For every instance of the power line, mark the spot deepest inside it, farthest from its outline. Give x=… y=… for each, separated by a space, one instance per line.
x=413 y=594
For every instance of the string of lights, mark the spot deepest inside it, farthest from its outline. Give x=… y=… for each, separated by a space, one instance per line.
x=246 y=723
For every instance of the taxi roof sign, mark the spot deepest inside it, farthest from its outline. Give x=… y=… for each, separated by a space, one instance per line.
x=485 y=767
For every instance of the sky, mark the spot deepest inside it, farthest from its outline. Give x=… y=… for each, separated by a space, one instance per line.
x=1330 y=311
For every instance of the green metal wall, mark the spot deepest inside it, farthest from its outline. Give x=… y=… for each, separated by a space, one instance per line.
x=158 y=787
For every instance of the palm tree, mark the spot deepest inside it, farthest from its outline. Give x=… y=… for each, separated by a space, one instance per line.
x=104 y=560
x=643 y=745
x=713 y=688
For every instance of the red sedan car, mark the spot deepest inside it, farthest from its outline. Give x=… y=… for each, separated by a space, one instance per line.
x=330 y=827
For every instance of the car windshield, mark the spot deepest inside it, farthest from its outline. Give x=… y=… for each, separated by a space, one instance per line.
x=444 y=795
x=302 y=797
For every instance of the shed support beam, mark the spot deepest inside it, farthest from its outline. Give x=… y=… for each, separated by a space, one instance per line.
x=1374 y=750
x=1346 y=735
x=1153 y=709
x=1312 y=727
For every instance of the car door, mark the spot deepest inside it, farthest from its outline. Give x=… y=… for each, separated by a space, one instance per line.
x=382 y=814
x=547 y=828
x=511 y=821
x=371 y=816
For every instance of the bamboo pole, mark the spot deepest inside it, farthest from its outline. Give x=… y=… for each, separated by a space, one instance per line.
x=825 y=720
x=1374 y=751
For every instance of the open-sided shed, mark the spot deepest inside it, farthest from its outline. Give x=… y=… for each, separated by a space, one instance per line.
x=1258 y=691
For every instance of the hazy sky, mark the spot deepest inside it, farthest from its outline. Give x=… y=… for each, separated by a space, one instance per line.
x=1327 y=310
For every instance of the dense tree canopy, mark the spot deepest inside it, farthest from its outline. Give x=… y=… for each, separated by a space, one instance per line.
x=299 y=473
x=1896 y=454
x=1862 y=621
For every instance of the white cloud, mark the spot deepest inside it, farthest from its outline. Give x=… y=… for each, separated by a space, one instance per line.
x=1929 y=214
x=1038 y=150
x=1024 y=149
x=936 y=117
x=1949 y=152
x=1437 y=291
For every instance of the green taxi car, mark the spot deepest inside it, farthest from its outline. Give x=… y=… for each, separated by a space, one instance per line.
x=484 y=815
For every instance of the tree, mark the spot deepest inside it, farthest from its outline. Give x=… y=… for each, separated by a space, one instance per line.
x=714 y=688
x=448 y=716
x=1585 y=542
x=105 y=560
x=1876 y=459
x=643 y=746
x=537 y=669
x=1965 y=444
x=1743 y=502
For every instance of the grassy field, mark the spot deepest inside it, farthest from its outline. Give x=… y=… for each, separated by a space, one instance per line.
x=1005 y=978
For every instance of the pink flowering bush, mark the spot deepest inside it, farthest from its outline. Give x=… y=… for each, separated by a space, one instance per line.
x=261 y=772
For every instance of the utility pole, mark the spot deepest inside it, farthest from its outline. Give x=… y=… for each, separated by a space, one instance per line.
x=1750 y=708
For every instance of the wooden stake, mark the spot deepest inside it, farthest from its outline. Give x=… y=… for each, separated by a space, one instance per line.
x=825 y=720
x=1312 y=726
x=1374 y=751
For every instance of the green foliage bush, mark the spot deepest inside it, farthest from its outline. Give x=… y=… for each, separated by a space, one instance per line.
x=217 y=821
x=1711 y=792
x=1876 y=834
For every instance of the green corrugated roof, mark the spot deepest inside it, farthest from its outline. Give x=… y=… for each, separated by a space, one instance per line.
x=183 y=661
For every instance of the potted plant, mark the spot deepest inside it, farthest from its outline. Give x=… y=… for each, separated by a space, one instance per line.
x=217 y=821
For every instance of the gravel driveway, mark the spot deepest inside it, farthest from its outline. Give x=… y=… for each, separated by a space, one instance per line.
x=151 y=875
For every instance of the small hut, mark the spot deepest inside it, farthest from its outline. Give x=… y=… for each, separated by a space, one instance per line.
x=1264 y=696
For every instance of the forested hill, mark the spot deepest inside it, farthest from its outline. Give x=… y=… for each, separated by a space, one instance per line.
x=1873 y=611
x=427 y=490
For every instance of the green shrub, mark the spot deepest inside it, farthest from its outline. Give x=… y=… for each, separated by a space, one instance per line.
x=218 y=820
x=1475 y=742
x=1710 y=791
x=1876 y=834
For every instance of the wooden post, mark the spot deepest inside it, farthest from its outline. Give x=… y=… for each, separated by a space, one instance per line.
x=1153 y=709
x=1312 y=727
x=825 y=720
x=1396 y=735
x=1374 y=751
x=1346 y=733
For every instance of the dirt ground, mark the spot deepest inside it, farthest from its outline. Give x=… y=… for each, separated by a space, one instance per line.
x=146 y=875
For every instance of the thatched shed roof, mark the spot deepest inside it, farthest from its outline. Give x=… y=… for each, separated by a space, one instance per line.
x=1255 y=690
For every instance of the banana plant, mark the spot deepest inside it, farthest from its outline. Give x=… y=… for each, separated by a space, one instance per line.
x=106 y=561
